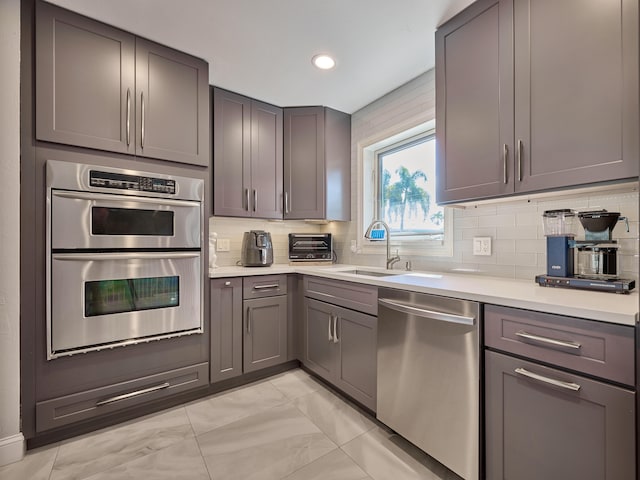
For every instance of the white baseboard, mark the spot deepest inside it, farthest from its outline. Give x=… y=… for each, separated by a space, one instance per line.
x=11 y=449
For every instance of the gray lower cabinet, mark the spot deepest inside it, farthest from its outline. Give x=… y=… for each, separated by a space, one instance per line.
x=249 y=324
x=317 y=164
x=579 y=429
x=247 y=157
x=525 y=120
x=226 y=328
x=555 y=404
x=103 y=88
x=340 y=344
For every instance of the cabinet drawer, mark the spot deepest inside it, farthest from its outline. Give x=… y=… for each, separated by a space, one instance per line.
x=355 y=296
x=596 y=348
x=104 y=400
x=264 y=286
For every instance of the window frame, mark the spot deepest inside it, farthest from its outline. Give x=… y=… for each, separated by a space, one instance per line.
x=424 y=245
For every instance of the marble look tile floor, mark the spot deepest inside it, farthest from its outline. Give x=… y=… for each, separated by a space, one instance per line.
x=287 y=427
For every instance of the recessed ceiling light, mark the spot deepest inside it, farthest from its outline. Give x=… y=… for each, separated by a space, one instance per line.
x=323 y=61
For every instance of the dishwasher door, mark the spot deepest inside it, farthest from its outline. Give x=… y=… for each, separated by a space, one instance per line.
x=429 y=375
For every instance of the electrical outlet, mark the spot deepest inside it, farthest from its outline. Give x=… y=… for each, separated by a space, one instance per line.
x=482 y=246
x=223 y=245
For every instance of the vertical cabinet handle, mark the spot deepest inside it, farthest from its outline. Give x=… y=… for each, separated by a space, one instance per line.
x=286 y=202
x=505 y=158
x=255 y=200
x=335 y=329
x=330 y=337
x=248 y=320
x=142 y=126
x=519 y=160
x=128 y=116
x=246 y=195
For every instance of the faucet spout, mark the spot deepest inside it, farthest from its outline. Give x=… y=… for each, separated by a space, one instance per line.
x=390 y=260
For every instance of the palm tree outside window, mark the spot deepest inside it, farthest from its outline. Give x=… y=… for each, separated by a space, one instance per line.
x=406 y=188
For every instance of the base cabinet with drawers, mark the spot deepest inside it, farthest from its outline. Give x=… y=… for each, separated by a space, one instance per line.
x=249 y=321
x=559 y=397
x=340 y=342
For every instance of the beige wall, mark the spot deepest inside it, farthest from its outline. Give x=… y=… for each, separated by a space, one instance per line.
x=11 y=440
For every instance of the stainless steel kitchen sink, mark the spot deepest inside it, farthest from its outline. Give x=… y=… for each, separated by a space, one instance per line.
x=371 y=273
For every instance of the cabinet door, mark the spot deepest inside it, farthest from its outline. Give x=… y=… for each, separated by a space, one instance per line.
x=474 y=103
x=172 y=105
x=85 y=85
x=226 y=328
x=266 y=160
x=304 y=163
x=318 y=349
x=265 y=332
x=576 y=103
x=231 y=154
x=356 y=336
x=538 y=430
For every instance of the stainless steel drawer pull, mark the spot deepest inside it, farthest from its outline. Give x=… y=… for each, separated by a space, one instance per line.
x=424 y=313
x=329 y=336
x=286 y=202
x=126 y=396
x=264 y=287
x=227 y=284
x=519 y=160
x=248 y=320
x=335 y=329
x=143 y=122
x=551 y=381
x=128 y=116
x=549 y=341
x=505 y=157
x=246 y=194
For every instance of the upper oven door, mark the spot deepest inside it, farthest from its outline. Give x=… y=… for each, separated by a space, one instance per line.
x=85 y=220
x=310 y=246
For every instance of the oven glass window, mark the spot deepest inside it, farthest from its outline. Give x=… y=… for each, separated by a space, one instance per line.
x=104 y=297
x=130 y=221
x=311 y=245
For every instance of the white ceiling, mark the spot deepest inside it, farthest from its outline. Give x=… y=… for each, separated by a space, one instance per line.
x=263 y=48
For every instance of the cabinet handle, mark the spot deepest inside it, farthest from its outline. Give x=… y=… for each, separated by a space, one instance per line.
x=248 y=320
x=227 y=284
x=126 y=396
x=246 y=196
x=128 y=116
x=330 y=337
x=286 y=202
x=255 y=200
x=264 y=287
x=505 y=157
x=142 y=126
x=519 y=160
x=549 y=341
x=551 y=381
x=335 y=329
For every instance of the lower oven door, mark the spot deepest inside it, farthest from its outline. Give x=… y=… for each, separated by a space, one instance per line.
x=102 y=300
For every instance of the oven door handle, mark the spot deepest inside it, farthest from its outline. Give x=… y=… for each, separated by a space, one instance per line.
x=124 y=256
x=114 y=198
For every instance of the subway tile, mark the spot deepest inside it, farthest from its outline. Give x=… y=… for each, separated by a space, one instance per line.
x=526 y=245
x=517 y=259
x=497 y=221
x=517 y=232
x=469 y=233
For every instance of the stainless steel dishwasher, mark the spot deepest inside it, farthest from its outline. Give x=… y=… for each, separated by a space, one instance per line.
x=429 y=375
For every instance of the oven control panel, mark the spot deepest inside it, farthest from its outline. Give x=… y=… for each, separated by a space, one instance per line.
x=131 y=182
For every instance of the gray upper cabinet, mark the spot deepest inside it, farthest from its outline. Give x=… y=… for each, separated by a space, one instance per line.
x=247 y=157
x=102 y=88
x=317 y=164
x=85 y=81
x=172 y=105
x=520 y=105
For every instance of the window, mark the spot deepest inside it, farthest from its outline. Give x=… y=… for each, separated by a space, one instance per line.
x=397 y=184
x=405 y=178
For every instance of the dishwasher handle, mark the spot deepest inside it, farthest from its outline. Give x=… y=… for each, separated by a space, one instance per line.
x=422 y=312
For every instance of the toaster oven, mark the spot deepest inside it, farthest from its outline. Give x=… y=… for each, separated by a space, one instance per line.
x=310 y=247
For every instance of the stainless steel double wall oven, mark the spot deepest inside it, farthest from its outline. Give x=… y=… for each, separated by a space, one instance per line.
x=124 y=257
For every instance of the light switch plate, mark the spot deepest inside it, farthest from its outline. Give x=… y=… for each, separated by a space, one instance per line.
x=223 y=245
x=482 y=246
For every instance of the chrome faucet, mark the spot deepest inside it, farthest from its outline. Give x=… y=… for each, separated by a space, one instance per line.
x=390 y=260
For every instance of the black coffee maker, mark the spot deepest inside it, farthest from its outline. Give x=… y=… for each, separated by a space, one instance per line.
x=597 y=254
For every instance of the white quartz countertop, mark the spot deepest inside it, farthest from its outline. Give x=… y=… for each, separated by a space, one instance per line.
x=602 y=306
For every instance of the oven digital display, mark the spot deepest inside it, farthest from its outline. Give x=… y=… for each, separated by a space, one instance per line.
x=130 y=221
x=105 y=297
